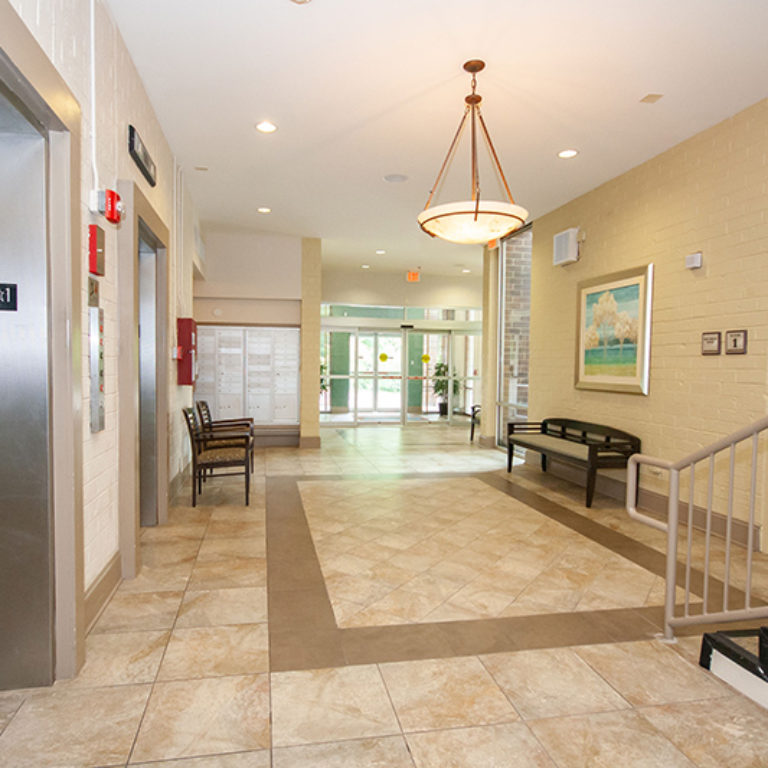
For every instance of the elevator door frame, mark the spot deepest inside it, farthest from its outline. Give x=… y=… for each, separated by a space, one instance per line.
x=28 y=74
x=140 y=222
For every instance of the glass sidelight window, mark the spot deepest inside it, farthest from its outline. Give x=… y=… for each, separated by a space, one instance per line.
x=514 y=329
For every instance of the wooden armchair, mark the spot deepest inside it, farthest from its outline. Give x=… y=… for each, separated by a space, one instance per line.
x=217 y=450
x=208 y=423
x=226 y=425
x=474 y=420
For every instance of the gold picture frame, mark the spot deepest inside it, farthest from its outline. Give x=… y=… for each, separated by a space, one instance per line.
x=613 y=345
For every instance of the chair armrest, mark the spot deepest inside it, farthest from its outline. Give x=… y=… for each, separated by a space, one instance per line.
x=233 y=427
x=221 y=436
x=225 y=422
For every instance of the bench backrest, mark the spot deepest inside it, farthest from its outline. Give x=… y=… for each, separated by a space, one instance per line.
x=587 y=432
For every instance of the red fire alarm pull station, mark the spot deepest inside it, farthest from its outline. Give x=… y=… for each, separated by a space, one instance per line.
x=186 y=332
x=95 y=249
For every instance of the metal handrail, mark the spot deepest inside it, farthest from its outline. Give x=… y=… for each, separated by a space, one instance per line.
x=671 y=525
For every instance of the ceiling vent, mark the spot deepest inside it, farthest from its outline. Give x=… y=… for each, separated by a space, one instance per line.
x=565 y=247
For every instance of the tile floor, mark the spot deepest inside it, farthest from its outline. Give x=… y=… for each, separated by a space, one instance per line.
x=250 y=641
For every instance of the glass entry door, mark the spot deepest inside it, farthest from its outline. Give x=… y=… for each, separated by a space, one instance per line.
x=429 y=386
x=361 y=377
x=379 y=377
x=398 y=377
x=443 y=375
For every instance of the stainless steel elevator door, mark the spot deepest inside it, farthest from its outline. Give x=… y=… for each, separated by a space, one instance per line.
x=26 y=535
x=147 y=378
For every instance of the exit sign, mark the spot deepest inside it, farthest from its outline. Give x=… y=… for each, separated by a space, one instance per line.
x=412 y=277
x=8 y=297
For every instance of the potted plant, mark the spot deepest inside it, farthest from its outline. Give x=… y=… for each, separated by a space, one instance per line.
x=440 y=387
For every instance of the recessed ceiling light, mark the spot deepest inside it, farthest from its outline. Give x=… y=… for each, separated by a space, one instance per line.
x=568 y=153
x=301 y=2
x=466 y=271
x=265 y=126
x=264 y=210
x=395 y=178
x=201 y=167
x=380 y=252
x=365 y=266
x=651 y=98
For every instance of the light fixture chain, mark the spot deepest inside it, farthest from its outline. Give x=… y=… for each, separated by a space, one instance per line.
x=449 y=155
x=495 y=156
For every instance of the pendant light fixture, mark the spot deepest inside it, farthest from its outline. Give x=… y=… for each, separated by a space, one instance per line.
x=475 y=220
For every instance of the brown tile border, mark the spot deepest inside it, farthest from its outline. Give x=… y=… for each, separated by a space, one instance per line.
x=302 y=627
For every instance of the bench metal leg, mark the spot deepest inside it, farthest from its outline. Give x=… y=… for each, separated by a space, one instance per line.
x=510 y=449
x=543 y=462
x=591 y=478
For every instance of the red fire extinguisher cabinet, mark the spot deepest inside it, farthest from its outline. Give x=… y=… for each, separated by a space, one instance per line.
x=186 y=332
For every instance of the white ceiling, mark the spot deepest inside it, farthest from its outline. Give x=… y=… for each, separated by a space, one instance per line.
x=364 y=88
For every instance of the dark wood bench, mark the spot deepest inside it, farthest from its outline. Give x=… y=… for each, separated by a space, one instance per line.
x=578 y=443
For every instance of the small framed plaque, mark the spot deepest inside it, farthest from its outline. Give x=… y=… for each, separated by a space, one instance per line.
x=735 y=342
x=710 y=343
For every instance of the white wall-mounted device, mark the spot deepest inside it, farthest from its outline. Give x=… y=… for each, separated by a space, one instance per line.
x=565 y=247
x=694 y=260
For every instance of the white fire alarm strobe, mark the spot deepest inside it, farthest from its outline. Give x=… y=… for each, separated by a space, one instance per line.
x=565 y=247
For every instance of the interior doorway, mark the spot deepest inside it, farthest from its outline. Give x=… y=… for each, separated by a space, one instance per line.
x=143 y=328
x=147 y=335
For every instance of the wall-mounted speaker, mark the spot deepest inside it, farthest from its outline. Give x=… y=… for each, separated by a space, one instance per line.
x=565 y=247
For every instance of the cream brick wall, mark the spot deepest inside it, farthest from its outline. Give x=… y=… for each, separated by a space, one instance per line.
x=709 y=194
x=61 y=27
x=181 y=272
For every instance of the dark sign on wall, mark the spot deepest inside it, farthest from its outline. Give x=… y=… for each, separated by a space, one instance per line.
x=141 y=156
x=8 y=297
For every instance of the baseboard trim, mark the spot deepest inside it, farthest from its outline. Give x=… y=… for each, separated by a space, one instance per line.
x=309 y=442
x=655 y=504
x=177 y=484
x=98 y=594
x=487 y=442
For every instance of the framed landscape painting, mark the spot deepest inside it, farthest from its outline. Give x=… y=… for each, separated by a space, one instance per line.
x=614 y=331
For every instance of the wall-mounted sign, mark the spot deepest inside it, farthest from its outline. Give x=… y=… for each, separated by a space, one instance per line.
x=383 y=357
x=710 y=343
x=735 y=342
x=8 y=297
x=425 y=359
x=141 y=156
x=412 y=277
x=93 y=292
